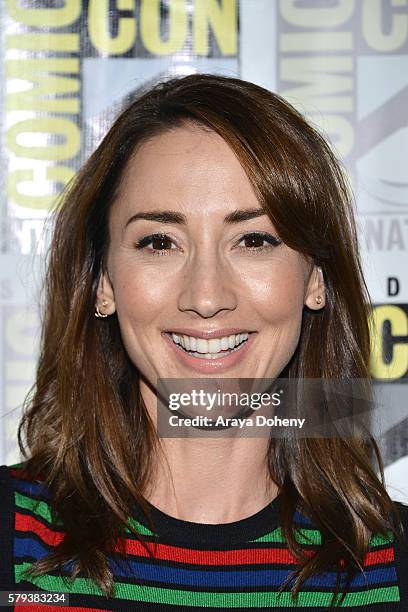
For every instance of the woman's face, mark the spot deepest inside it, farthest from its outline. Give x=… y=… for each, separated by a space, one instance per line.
x=196 y=273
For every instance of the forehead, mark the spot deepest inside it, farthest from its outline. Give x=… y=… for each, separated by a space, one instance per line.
x=190 y=168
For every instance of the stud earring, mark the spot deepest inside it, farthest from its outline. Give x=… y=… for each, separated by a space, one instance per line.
x=319 y=299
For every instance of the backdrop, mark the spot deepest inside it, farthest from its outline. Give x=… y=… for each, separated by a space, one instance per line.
x=68 y=67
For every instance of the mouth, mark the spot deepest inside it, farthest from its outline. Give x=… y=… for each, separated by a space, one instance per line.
x=213 y=348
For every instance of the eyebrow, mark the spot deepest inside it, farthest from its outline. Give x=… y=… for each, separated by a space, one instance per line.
x=171 y=216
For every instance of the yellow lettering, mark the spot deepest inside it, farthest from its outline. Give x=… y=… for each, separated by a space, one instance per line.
x=317 y=73
x=45 y=201
x=312 y=41
x=45 y=125
x=339 y=130
x=43 y=41
x=150 y=26
x=372 y=27
x=45 y=17
x=310 y=17
x=44 y=85
x=399 y=327
x=222 y=18
x=98 y=24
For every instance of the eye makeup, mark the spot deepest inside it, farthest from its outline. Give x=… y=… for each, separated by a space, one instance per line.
x=163 y=242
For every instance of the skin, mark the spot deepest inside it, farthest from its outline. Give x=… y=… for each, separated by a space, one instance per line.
x=210 y=279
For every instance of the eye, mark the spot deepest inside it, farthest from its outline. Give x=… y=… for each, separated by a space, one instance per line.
x=160 y=243
x=254 y=241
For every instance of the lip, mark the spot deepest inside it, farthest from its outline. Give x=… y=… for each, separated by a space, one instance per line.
x=205 y=366
x=207 y=334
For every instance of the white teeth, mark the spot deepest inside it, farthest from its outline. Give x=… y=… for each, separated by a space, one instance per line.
x=186 y=343
x=224 y=344
x=214 y=345
x=209 y=347
x=202 y=345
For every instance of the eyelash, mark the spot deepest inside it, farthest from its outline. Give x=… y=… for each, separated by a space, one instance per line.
x=273 y=242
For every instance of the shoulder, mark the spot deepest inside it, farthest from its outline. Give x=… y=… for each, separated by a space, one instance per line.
x=28 y=526
x=5 y=485
x=15 y=479
x=29 y=495
x=8 y=474
x=402 y=510
x=7 y=523
x=24 y=499
x=401 y=553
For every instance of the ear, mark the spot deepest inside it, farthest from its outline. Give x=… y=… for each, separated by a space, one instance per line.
x=315 y=297
x=105 y=297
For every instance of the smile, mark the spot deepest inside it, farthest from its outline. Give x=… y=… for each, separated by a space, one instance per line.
x=210 y=349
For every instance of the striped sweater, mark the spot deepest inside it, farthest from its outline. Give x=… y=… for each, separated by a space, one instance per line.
x=237 y=566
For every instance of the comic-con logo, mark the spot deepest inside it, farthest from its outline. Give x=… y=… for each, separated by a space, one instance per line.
x=389 y=342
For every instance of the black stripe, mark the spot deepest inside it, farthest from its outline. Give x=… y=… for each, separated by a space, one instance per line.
x=124 y=605
x=6 y=531
x=40 y=519
x=30 y=535
x=401 y=557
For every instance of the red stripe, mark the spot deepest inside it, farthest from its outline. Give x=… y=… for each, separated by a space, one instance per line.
x=233 y=557
x=186 y=555
x=46 y=608
x=376 y=556
x=208 y=557
x=379 y=556
x=22 y=474
x=29 y=523
x=26 y=523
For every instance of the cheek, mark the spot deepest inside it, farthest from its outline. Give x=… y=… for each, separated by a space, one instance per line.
x=141 y=297
x=141 y=294
x=279 y=297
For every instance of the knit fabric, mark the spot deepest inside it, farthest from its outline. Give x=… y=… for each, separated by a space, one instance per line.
x=194 y=566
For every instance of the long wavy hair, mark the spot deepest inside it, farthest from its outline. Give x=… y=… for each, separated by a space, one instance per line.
x=85 y=427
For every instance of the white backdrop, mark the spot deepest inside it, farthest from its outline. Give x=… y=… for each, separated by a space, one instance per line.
x=68 y=66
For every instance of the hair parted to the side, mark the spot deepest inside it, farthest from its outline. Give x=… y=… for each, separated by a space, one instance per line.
x=85 y=428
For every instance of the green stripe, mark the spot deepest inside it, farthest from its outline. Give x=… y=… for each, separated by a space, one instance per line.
x=380 y=540
x=139 y=527
x=258 y=599
x=36 y=506
x=303 y=536
x=43 y=510
x=313 y=536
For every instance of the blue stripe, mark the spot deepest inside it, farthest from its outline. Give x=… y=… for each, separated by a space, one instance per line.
x=29 y=547
x=34 y=489
x=151 y=572
x=240 y=578
x=301 y=519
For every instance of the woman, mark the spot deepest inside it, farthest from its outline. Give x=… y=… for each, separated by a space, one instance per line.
x=211 y=213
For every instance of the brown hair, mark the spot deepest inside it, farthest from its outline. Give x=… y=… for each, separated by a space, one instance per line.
x=86 y=427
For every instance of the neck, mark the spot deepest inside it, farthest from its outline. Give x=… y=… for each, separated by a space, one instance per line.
x=209 y=480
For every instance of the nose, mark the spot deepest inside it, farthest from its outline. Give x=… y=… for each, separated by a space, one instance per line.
x=207 y=287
